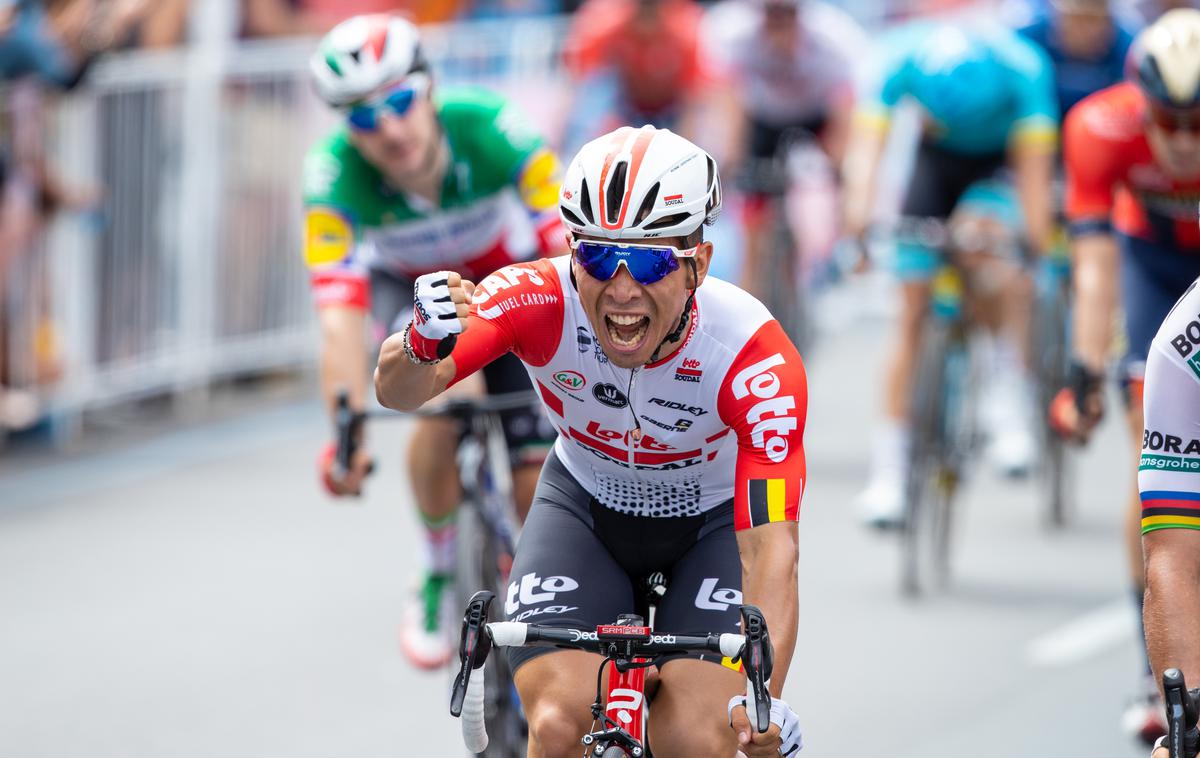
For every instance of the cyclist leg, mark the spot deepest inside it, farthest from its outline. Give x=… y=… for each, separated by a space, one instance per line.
x=757 y=211
x=1002 y=301
x=688 y=714
x=527 y=431
x=433 y=476
x=563 y=575
x=932 y=192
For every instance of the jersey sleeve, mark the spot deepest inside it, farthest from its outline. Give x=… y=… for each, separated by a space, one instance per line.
x=764 y=399
x=887 y=80
x=1036 y=118
x=518 y=309
x=1091 y=169
x=1169 y=471
x=331 y=236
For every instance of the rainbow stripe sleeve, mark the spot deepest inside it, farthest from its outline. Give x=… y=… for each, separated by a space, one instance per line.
x=1164 y=509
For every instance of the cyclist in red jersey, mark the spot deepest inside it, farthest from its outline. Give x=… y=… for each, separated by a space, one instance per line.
x=1132 y=155
x=652 y=50
x=645 y=372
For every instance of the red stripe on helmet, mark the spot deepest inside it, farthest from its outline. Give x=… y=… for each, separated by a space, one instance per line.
x=377 y=34
x=640 y=145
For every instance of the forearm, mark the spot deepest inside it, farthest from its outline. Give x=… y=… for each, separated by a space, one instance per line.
x=343 y=358
x=1172 y=607
x=1034 y=182
x=860 y=173
x=769 y=581
x=404 y=385
x=1096 y=278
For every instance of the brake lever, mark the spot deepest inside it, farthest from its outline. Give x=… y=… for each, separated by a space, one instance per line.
x=473 y=647
x=758 y=660
x=344 y=421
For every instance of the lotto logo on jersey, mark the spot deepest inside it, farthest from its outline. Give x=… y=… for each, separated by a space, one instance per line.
x=771 y=419
x=689 y=371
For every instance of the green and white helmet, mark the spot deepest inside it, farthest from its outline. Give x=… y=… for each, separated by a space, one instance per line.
x=362 y=54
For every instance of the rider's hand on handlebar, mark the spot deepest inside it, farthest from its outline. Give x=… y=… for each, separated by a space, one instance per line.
x=441 y=301
x=781 y=738
x=340 y=483
x=1078 y=408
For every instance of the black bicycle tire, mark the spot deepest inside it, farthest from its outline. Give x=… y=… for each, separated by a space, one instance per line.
x=922 y=513
x=956 y=443
x=1053 y=352
x=478 y=569
x=786 y=296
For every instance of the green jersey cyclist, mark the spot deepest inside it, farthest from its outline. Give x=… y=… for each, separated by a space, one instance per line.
x=417 y=179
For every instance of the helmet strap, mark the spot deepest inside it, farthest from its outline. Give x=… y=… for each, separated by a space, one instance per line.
x=684 y=316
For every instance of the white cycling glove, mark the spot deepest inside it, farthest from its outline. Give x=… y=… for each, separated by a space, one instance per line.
x=434 y=315
x=782 y=716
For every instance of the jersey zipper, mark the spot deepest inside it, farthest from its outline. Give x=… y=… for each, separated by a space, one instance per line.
x=635 y=435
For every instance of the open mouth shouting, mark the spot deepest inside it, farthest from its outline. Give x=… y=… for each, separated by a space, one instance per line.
x=627 y=331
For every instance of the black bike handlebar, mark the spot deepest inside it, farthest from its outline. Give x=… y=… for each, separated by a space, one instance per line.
x=753 y=649
x=1183 y=710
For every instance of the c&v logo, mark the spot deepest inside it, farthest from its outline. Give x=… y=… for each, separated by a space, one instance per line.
x=570 y=380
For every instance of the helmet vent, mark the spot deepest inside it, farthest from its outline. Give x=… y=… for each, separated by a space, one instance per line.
x=712 y=171
x=572 y=217
x=665 y=221
x=356 y=55
x=585 y=202
x=647 y=205
x=615 y=192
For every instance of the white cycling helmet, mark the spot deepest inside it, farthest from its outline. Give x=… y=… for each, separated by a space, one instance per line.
x=639 y=184
x=1164 y=61
x=363 y=54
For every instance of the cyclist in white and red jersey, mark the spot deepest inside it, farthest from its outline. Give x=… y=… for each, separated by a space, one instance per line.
x=680 y=410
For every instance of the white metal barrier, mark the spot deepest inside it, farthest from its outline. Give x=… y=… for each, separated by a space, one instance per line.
x=192 y=269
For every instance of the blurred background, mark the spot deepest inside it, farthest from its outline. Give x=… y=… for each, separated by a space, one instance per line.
x=174 y=581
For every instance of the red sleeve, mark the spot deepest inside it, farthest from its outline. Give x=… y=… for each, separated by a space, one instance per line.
x=764 y=398
x=518 y=309
x=340 y=287
x=1092 y=161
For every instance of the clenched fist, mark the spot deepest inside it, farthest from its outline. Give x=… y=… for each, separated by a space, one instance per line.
x=441 y=302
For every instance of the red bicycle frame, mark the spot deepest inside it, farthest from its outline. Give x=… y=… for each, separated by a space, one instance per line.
x=626 y=703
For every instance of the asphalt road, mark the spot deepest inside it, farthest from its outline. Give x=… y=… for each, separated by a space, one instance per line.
x=196 y=595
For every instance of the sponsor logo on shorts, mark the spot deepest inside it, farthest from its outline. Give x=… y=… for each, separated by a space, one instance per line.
x=695 y=410
x=714 y=598
x=570 y=380
x=608 y=394
x=533 y=590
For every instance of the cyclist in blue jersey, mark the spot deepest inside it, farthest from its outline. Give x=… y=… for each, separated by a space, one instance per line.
x=987 y=105
x=1086 y=43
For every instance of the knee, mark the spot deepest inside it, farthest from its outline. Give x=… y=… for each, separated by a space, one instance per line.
x=554 y=730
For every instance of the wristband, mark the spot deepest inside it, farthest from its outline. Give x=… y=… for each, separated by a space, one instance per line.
x=1083 y=382
x=420 y=350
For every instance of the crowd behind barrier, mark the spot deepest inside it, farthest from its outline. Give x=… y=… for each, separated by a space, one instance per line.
x=150 y=179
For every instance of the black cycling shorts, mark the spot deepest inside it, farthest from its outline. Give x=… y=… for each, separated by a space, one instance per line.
x=764 y=139
x=579 y=564
x=527 y=431
x=941 y=177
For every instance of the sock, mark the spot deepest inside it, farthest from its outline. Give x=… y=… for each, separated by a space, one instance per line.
x=440 y=544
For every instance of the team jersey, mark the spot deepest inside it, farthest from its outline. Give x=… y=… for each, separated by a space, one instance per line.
x=658 y=64
x=781 y=89
x=721 y=417
x=1169 y=472
x=500 y=171
x=1020 y=105
x=1113 y=178
x=1076 y=78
